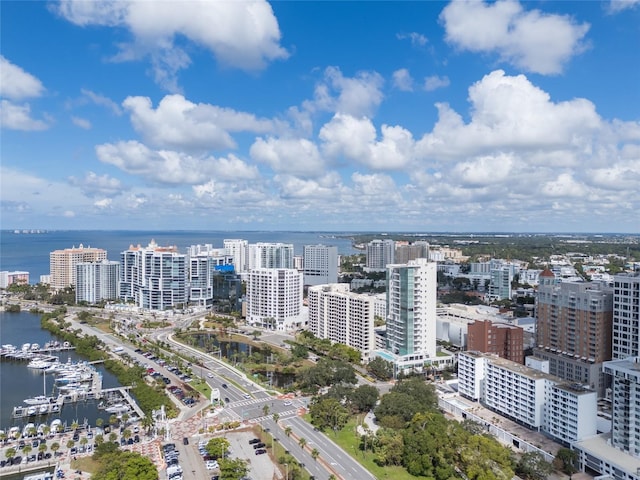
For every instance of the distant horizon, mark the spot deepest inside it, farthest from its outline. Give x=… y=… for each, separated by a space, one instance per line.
x=343 y=232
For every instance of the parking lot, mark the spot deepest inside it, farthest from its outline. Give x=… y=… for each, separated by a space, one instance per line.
x=261 y=467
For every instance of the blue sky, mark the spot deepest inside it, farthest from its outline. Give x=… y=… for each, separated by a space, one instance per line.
x=356 y=116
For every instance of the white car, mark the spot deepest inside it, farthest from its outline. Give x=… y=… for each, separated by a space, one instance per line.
x=211 y=465
x=288 y=402
x=209 y=375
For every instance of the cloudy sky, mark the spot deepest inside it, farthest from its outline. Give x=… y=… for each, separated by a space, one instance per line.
x=358 y=116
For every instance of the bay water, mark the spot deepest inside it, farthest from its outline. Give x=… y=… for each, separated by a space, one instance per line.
x=18 y=382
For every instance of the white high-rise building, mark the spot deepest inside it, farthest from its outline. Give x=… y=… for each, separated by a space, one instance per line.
x=380 y=253
x=274 y=298
x=625 y=423
x=62 y=264
x=205 y=264
x=342 y=316
x=96 y=281
x=239 y=250
x=153 y=277
x=411 y=308
x=320 y=264
x=626 y=316
x=566 y=411
x=270 y=255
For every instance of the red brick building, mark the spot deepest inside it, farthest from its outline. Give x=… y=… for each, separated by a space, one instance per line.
x=502 y=339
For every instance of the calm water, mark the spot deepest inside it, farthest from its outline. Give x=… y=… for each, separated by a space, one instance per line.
x=18 y=382
x=30 y=252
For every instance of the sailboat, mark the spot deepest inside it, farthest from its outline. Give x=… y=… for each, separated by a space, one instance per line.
x=40 y=399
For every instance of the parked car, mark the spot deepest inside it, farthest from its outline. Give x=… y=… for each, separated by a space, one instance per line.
x=260 y=451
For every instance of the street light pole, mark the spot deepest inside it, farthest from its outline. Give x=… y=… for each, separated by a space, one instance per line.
x=286 y=470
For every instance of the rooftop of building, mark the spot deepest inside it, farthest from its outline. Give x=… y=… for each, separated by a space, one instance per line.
x=600 y=447
x=514 y=366
x=576 y=388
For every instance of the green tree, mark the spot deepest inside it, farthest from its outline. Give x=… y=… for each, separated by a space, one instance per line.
x=566 y=460
x=364 y=398
x=55 y=446
x=121 y=465
x=328 y=413
x=315 y=453
x=265 y=410
x=299 y=351
x=533 y=466
x=276 y=417
x=26 y=450
x=380 y=368
x=233 y=469
x=42 y=447
x=9 y=453
x=287 y=430
x=70 y=443
x=302 y=442
x=217 y=446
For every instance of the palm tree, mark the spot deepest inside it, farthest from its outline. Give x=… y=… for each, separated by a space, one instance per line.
x=287 y=431
x=332 y=477
x=302 y=442
x=125 y=418
x=84 y=441
x=99 y=439
x=32 y=432
x=10 y=453
x=147 y=422
x=315 y=453
x=46 y=430
x=276 y=417
x=70 y=444
x=265 y=410
x=113 y=419
x=42 y=448
x=74 y=426
x=55 y=446
x=113 y=437
x=26 y=450
x=3 y=437
x=126 y=434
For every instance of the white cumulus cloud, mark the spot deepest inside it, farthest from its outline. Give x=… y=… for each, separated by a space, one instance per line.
x=402 y=80
x=532 y=40
x=18 y=117
x=172 y=167
x=434 y=82
x=355 y=139
x=243 y=35
x=16 y=84
x=297 y=156
x=179 y=123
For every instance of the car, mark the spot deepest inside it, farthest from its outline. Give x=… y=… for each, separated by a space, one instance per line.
x=260 y=451
x=172 y=461
x=168 y=447
x=90 y=434
x=3 y=463
x=224 y=385
x=35 y=444
x=73 y=451
x=31 y=458
x=254 y=440
x=288 y=402
x=259 y=445
x=211 y=465
x=209 y=375
x=246 y=395
x=136 y=439
x=130 y=441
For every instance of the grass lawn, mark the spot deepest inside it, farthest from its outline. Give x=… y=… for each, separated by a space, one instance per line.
x=350 y=443
x=201 y=386
x=86 y=464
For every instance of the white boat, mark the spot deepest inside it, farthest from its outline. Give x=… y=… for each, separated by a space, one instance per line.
x=14 y=432
x=41 y=428
x=39 y=400
x=35 y=346
x=32 y=411
x=56 y=425
x=29 y=430
x=43 y=409
x=117 y=408
x=26 y=347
